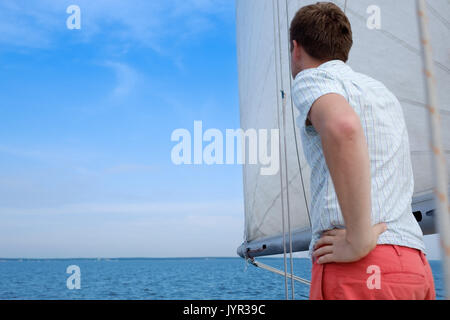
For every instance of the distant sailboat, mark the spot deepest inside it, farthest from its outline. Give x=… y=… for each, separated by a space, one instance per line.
x=275 y=205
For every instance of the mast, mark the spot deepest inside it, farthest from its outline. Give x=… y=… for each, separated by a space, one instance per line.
x=440 y=168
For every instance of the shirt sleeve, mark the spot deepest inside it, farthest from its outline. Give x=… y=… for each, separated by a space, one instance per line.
x=309 y=86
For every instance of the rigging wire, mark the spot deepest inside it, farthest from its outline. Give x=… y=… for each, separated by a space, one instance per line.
x=287 y=198
x=279 y=150
x=293 y=121
x=281 y=273
x=286 y=172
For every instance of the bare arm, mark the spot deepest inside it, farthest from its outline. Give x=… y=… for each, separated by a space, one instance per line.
x=346 y=153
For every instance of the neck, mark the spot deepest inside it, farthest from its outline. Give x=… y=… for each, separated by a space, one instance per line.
x=305 y=64
x=311 y=63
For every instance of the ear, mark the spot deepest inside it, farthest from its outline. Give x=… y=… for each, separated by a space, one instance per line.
x=296 y=52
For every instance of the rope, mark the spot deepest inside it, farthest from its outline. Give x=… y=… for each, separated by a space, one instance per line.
x=281 y=167
x=442 y=201
x=281 y=273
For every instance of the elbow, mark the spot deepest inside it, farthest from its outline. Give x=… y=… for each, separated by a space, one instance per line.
x=344 y=129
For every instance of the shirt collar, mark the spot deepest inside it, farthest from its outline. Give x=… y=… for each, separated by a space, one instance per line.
x=325 y=66
x=332 y=63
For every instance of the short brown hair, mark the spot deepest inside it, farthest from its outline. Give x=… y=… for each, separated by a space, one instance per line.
x=323 y=30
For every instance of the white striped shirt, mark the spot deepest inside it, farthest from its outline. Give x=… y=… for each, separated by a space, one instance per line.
x=384 y=126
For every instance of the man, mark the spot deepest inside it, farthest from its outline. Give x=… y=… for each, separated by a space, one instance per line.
x=366 y=242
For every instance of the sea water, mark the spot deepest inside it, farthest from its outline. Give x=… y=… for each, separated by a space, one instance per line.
x=155 y=279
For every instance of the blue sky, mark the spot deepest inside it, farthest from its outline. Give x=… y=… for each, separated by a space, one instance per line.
x=86 y=118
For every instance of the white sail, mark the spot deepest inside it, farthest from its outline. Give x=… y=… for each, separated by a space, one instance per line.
x=391 y=54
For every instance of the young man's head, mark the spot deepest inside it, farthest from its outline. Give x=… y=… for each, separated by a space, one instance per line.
x=319 y=33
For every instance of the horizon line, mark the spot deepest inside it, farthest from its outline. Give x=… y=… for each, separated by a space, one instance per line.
x=140 y=258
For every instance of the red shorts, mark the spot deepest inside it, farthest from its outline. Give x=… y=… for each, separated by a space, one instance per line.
x=389 y=272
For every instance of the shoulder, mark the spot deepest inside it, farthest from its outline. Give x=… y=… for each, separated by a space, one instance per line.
x=317 y=81
x=311 y=84
x=315 y=75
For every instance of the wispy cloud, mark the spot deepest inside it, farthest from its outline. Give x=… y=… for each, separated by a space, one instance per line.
x=130 y=168
x=50 y=155
x=148 y=23
x=123 y=230
x=127 y=78
x=75 y=161
x=24 y=25
x=205 y=209
x=85 y=157
x=188 y=236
